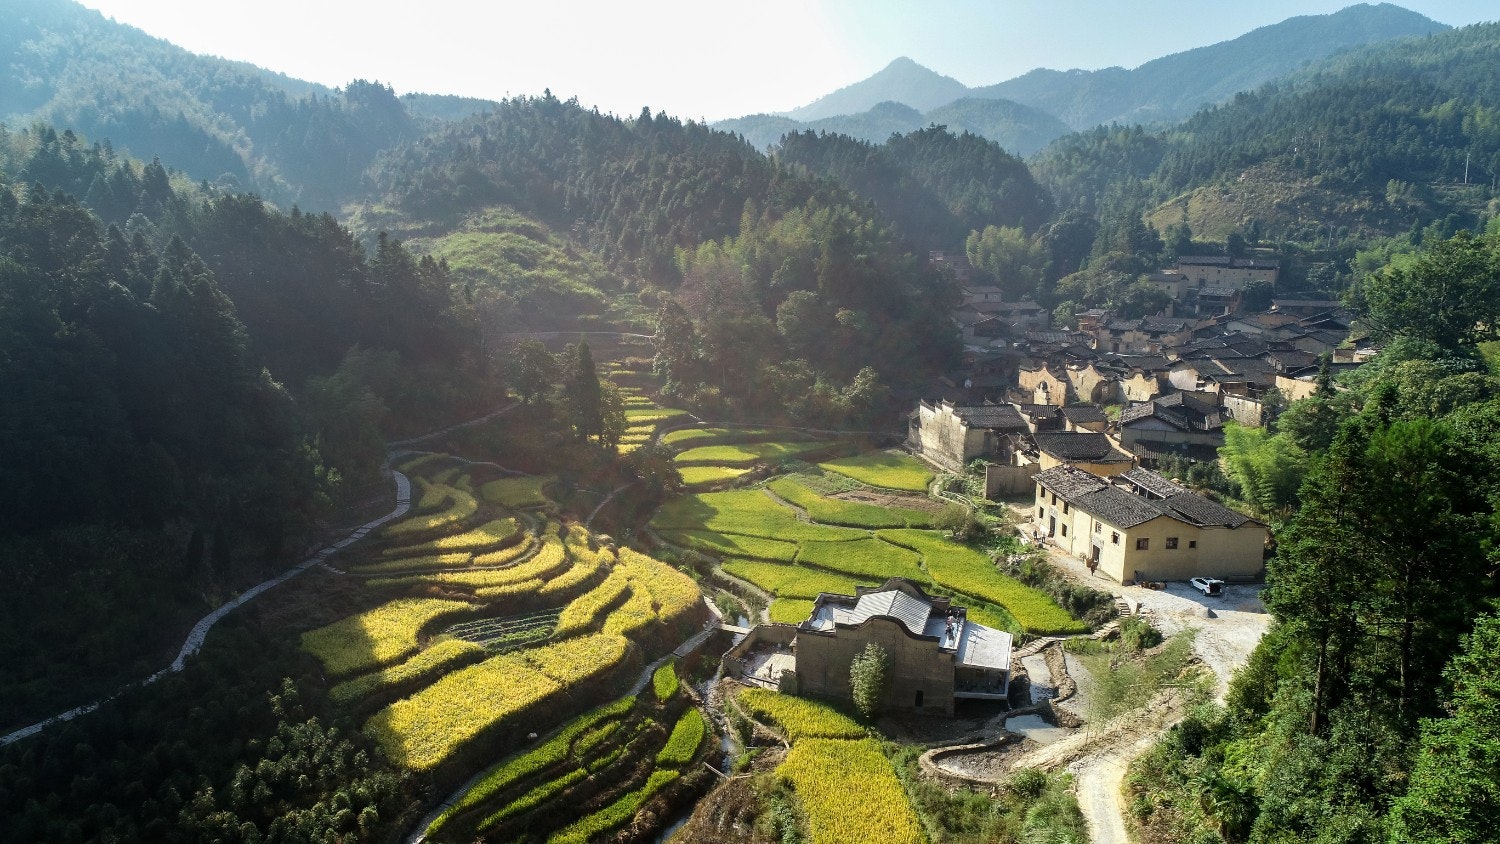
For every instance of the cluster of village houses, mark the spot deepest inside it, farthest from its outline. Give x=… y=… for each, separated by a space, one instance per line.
x=1074 y=421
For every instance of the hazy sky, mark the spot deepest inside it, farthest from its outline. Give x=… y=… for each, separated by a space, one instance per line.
x=701 y=58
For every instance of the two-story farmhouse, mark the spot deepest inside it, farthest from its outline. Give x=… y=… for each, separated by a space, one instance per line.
x=936 y=655
x=1140 y=525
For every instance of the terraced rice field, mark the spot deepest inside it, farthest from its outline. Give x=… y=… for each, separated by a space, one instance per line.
x=744 y=454
x=753 y=530
x=845 y=785
x=884 y=469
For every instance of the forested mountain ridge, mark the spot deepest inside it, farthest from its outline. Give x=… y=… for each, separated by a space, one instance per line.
x=1020 y=130
x=1374 y=142
x=1044 y=104
x=1177 y=85
x=666 y=204
x=192 y=379
x=902 y=81
x=226 y=122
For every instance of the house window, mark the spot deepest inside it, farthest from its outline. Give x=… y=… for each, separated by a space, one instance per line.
x=1192 y=543
x=1114 y=538
x=1054 y=499
x=1098 y=527
x=1065 y=507
x=919 y=698
x=1038 y=512
x=1065 y=530
x=1171 y=543
x=1142 y=544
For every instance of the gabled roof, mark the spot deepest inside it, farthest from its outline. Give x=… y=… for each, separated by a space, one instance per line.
x=1193 y=508
x=1152 y=483
x=1083 y=413
x=1118 y=507
x=1087 y=446
x=992 y=416
x=1069 y=482
x=1163 y=324
x=1178 y=410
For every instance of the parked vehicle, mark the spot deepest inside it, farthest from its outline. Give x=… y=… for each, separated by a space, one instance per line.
x=1209 y=586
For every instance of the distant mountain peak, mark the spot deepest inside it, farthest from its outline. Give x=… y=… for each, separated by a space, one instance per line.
x=902 y=81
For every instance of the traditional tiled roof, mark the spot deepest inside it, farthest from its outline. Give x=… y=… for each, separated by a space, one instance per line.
x=1166 y=325
x=1217 y=292
x=1122 y=508
x=992 y=416
x=1087 y=446
x=1118 y=507
x=1152 y=483
x=1069 y=482
x=1195 y=509
x=1044 y=411
x=1221 y=261
x=1083 y=413
x=1178 y=410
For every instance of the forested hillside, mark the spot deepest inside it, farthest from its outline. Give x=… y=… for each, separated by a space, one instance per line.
x=193 y=379
x=719 y=236
x=1175 y=86
x=1367 y=714
x=1373 y=143
x=230 y=123
x=934 y=186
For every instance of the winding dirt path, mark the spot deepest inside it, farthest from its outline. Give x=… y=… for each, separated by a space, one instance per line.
x=199 y=633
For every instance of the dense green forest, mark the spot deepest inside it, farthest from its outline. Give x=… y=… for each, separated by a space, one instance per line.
x=728 y=244
x=193 y=379
x=1368 y=712
x=1394 y=133
x=200 y=381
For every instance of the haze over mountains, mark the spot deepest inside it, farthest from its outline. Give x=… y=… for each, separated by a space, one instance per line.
x=1025 y=113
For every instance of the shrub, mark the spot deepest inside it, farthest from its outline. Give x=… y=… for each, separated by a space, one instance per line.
x=686 y=737
x=883 y=469
x=377 y=637
x=868 y=673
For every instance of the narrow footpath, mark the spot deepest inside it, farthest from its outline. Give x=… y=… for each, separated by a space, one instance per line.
x=199 y=633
